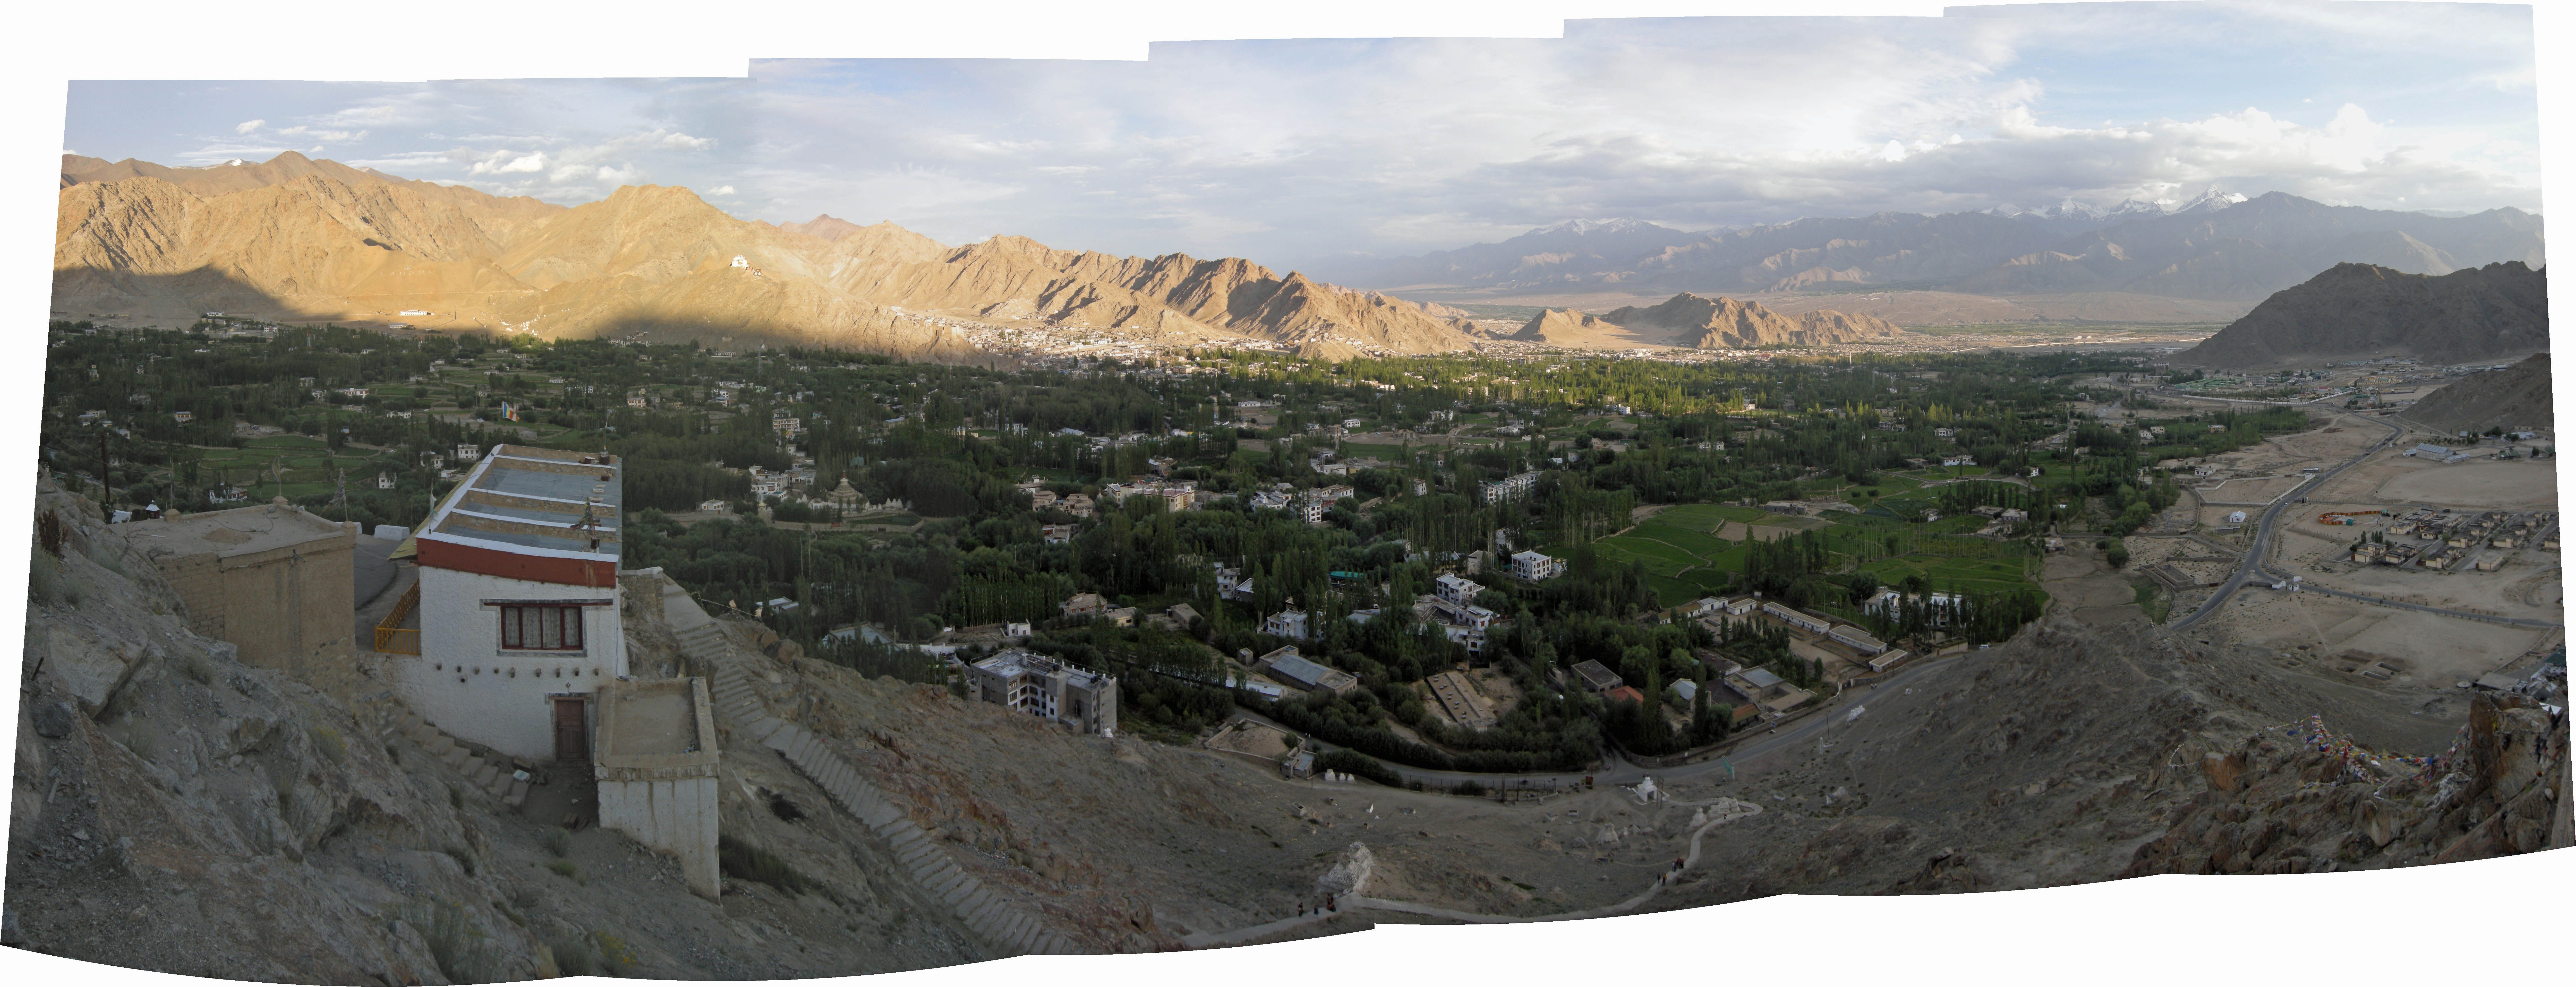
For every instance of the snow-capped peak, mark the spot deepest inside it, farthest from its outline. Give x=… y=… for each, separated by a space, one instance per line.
x=2210 y=201
x=1580 y=227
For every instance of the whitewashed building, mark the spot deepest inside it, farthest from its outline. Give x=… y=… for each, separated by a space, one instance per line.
x=519 y=618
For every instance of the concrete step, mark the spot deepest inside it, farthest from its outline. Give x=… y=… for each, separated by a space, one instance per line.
x=518 y=794
x=502 y=778
x=456 y=757
x=483 y=773
x=438 y=744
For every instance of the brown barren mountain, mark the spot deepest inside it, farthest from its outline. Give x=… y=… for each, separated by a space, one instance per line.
x=2516 y=397
x=2355 y=311
x=1705 y=323
x=297 y=238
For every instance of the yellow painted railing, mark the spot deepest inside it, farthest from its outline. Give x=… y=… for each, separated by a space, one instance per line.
x=391 y=637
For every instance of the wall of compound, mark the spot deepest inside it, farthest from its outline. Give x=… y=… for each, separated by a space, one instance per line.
x=674 y=815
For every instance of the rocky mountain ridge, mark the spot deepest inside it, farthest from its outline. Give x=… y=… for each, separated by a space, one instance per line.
x=2516 y=397
x=2356 y=311
x=300 y=238
x=1704 y=323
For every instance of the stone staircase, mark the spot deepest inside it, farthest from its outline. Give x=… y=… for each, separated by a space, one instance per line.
x=492 y=773
x=988 y=915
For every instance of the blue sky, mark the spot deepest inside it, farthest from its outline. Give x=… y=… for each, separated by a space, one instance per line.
x=1308 y=153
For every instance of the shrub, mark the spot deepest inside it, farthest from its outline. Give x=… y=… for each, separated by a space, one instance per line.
x=200 y=669
x=566 y=868
x=455 y=797
x=559 y=841
x=614 y=952
x=461 y=950
x=572 y=955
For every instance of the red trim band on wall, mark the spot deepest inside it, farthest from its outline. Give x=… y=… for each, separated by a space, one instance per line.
x=512 y=565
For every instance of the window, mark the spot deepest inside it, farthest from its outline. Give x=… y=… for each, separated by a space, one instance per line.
x=541 y=628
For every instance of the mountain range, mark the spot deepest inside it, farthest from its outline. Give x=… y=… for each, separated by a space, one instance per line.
x=2358 y=311
x=299 y=238
x=2218 y=247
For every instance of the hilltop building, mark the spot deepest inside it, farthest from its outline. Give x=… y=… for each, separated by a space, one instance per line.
x=274 y=580
x=519 y=621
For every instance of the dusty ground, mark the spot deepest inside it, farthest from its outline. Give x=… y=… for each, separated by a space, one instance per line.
x=2523 y=484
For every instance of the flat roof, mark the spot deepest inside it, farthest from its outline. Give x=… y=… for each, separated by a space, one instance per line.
x=1302 y=670
x=225 y=534
x=521 y=498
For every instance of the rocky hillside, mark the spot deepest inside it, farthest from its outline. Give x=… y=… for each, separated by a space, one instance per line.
x=2516 y=397
x=314 y=239
x=2080 y=753
x=1705 y=323
x=2359 y=311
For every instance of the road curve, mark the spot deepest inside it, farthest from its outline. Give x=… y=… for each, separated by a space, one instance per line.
x=2265 y=527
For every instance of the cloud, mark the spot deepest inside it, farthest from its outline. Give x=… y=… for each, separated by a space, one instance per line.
x=504 y=163
x=620 y=176
x=328 y=135
x=247 y=126
x=721 y=190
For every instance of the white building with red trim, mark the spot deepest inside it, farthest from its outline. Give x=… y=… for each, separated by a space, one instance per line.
x=518 y=603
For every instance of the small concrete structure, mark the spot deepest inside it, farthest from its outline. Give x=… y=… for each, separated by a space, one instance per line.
x=656 y=763
x=274 y=580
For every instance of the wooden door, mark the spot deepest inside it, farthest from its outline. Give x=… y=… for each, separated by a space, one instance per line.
x=572 y=738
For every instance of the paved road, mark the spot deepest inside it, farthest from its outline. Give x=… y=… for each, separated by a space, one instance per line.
x=2265 y=528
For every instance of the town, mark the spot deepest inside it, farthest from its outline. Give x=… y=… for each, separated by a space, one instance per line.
x=1444 y=563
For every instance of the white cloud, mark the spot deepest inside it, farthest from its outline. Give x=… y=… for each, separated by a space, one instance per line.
x=620 y=176
x=504 y=163
x=328 y=135
x=247 y=126
x=721 y=190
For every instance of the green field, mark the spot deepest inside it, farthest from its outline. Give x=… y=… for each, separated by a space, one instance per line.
x=1684 y=560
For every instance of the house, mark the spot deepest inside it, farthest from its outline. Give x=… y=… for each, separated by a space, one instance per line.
x=1290 y=622
x=1048 y=689
x=1081 y=605
x=1182 y=614
x=1041 y=498
x=273 y=580
x=1533 y=567
x=1288 y=666
x=1120 y=616
x=635 y=400
x=1856 y=639
x=1596 y=676
x=1624 y=694
x=1511 y=487
x=1456 y=590
x=520 y=619
x=384 y=481
x=1465 y=623
x=467 y=452
x=1078 y=505
x=1797 y=618
x=1056 y=534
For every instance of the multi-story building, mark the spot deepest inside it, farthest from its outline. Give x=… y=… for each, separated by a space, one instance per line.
x=1047 y=688
x=1512 y=487
x=1533 y=567
x=519 y=616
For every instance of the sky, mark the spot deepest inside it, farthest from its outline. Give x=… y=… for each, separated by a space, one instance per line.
x=1316 y=154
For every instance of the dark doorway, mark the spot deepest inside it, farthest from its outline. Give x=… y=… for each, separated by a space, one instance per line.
x=572 y=737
